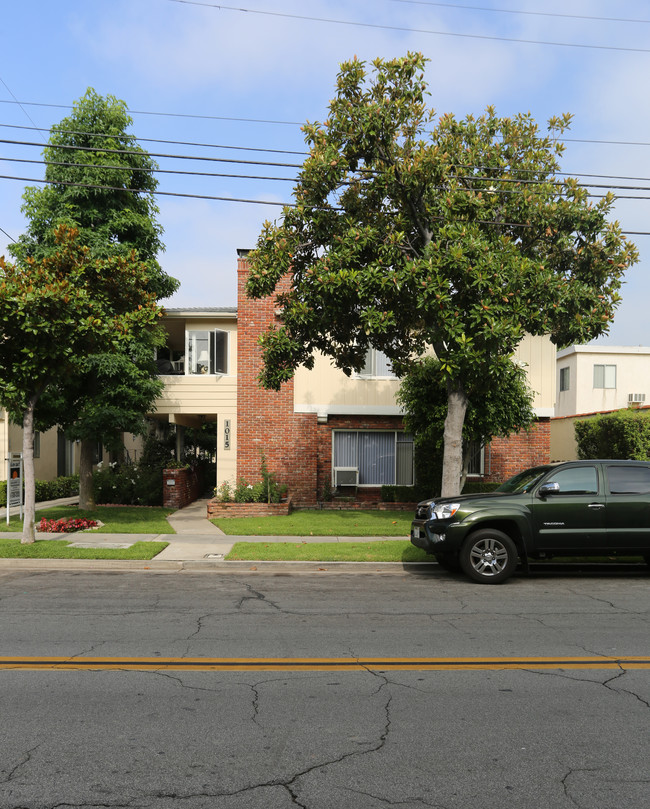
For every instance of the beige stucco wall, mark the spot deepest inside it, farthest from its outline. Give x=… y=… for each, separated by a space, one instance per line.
x=326 y=389
x=563 y=441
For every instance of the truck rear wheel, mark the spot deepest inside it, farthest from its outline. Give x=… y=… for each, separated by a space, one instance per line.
x=488 y=556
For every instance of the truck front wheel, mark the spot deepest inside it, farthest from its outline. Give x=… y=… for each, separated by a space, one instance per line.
x=488 y=556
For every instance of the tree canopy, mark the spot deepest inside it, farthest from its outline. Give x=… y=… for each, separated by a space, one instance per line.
x=54 y=311
x=101 y=182
x=410 y=232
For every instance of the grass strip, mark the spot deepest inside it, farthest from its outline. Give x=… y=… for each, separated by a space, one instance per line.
x=116 y=519
x=60 y=549
x=384 y=551
x=347 y=523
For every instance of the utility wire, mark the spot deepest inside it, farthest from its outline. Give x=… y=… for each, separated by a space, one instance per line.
x=381 y=27
x=165 y=114
x=133 y=153
x=267 y=121
x=157 y=140
x=468 y=178
x=260 y=202
x=11 y=238
x=519 y=11
x=148 y=171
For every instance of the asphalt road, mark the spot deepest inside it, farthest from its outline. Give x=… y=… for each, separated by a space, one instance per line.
x=323 y=690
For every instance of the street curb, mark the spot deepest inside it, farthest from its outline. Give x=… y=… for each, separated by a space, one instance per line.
x=209 y=566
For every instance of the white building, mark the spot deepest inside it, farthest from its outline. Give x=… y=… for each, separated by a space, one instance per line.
x=597 y=378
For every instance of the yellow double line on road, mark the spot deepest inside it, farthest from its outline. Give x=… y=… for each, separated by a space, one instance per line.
x=319 y=663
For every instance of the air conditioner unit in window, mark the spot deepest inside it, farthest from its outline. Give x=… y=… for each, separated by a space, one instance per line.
x=346 y=476
x=635 y=398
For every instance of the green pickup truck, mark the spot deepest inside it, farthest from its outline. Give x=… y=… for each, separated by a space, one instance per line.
x=580 y=508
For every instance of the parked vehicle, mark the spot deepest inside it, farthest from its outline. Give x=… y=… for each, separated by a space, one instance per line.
x=580 y=508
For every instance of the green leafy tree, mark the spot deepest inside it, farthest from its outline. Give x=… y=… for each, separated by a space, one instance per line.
x=458 y=236
x=495 y=407
x=101 y=182
x=52 y=311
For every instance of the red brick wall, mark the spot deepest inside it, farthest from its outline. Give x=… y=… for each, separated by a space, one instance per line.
x=228 y=510
x=183 y=488
x=265 y=419
x=504 y=457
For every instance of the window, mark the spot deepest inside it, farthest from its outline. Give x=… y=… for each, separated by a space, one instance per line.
x=629 y=479
x=377 y=365
x=604 y=376
x=37 y=445
x=207 y=352
x=382 y=456
x=576 y=480
x=476 y=464
x=565 y=378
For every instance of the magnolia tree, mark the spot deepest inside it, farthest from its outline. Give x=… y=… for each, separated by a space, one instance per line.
x=101 y=182
x=497 y=409
x=55 y=311
x=410 y=233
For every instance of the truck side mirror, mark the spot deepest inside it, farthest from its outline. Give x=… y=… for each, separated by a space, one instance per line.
x=548 y=488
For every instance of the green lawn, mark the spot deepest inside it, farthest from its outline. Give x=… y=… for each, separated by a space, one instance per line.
x=116 y=519
x=321 y=523
x=59 y=549
x=384 y=551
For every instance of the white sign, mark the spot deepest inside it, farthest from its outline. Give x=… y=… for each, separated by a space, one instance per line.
x=226 y=434
x=15 y=482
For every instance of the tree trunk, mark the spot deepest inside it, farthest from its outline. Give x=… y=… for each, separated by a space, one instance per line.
x=452 y=457
x=86 y=493
x=29 y=508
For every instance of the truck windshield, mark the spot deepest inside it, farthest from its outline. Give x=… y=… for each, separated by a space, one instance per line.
x=524 y=481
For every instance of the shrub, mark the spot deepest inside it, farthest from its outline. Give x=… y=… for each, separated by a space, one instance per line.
x=624 y=434
x=48 y=489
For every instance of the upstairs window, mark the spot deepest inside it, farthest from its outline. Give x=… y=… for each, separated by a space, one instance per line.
x=207 y=352
x=604 y=376
x=377 y=365
x=564 y=378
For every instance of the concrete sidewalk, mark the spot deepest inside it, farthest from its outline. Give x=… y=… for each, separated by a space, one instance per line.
x=196 y=545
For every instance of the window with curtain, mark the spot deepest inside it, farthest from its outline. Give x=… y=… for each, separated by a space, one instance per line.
x=381 y=456
x=377 y=365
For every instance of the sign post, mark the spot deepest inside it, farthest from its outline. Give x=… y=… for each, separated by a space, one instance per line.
x=15 y=482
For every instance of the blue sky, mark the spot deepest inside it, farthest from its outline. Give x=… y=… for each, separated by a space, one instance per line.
x=231 y=77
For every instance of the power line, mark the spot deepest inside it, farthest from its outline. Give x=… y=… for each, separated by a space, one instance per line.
x=258 y=121
x=133 y=153
x=150 y=171
x=165 y=114
x=157 y=140
x=259 y=202
x=11 y=238
x=382 y=27
x=137 y=191
x=519 y=11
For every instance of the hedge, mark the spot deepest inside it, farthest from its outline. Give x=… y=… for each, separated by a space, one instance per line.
x=48 y=489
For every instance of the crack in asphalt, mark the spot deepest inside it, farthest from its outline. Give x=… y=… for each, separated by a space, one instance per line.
x=565 y=785
x=405 y=802
x=27 y=757
x=255 y=595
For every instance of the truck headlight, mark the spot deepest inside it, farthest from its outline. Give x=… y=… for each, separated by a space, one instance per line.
x=444 y=511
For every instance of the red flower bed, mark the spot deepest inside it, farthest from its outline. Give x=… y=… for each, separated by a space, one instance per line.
x=65 y=526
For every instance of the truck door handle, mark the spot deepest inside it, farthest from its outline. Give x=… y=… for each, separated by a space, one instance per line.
x=596 y=505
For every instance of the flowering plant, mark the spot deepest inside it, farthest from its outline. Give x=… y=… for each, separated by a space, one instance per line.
x=65 y=525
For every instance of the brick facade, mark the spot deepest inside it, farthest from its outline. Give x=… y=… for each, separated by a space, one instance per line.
x=504 y=457
x=297 y=448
